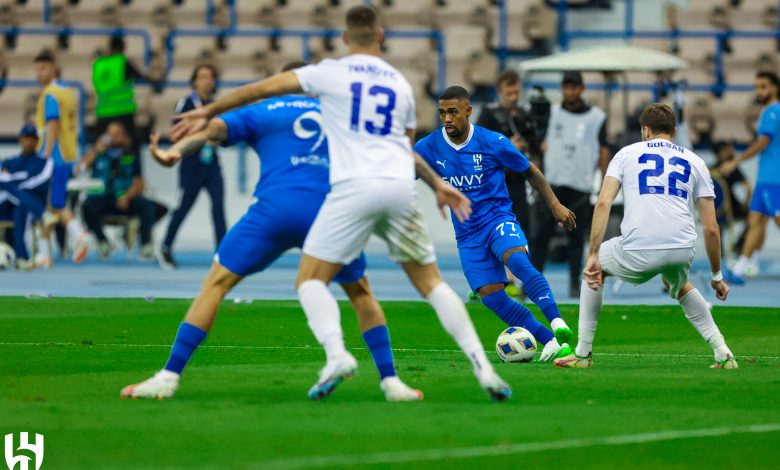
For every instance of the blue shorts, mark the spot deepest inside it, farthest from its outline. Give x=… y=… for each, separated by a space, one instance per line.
x=267 y=230
x=766 y=200
x=481 y=256
x=58 y=188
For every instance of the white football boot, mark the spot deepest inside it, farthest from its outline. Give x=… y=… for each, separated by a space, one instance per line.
x=161 y=386
x=494 y=386
x=396 y=390
x=334 y=372
x=553 y=350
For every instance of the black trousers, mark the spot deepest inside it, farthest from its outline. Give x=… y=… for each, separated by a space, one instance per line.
x=546 y=225
x=515 y=183
x=191 y=185
x=97 y=207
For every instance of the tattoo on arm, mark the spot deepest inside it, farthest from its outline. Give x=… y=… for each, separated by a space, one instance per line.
x=425 y=172
x=539 y=182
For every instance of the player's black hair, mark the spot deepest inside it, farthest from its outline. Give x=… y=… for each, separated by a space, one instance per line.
x=198 y=68
x=659 y=118
x=362 y=23
x=455 y=93
x=44 y=56
x=117 y=44
x=771 y=76
x=296 y=64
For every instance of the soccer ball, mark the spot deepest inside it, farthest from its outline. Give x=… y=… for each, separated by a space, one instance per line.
x=516 y=344
x=7 y=256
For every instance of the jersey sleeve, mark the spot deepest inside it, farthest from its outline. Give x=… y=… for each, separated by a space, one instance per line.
x=241 y=124
x=316 y=79
x=423 y=148
x=51 y=108
x=768 y=123
x=509 y=156
x=615 y=168
x=703 y=185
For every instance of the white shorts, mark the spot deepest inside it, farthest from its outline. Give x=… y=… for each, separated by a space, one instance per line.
x=639 y=266
x=355 y=209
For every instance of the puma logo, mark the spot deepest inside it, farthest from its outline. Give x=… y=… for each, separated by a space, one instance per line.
x=546 y=297
x=442 y=163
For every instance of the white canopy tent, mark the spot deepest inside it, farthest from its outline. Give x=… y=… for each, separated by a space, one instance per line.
x=610 y=60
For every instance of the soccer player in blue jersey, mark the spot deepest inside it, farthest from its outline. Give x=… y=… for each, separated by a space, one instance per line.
x=287 y=133
x=472 y=159
x=765 y=203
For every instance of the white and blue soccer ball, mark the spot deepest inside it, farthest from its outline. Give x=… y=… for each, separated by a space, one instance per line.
x=7 y=256
x=516 y=344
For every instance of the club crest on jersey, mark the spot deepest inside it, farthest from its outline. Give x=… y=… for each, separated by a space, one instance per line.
x=477 y=162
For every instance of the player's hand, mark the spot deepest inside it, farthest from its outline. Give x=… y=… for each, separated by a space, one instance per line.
x=519 y=143
x=564 y=216
x=721 y=289
x=594 y=275
x=446 y=195
x=166 y=158
x=189 y=123
x=123 y=203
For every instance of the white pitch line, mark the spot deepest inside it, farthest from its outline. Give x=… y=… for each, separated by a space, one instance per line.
x=427 y=455
x=271 y=348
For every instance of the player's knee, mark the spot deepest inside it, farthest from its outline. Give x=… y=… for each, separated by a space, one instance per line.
x=424 y=277
x=490 y=289
x=508 y=253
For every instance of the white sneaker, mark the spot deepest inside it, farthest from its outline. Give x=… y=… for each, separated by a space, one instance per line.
x=82 y=248
x=42 y=261
x=553 y=350
x=162 y=385
x=494 y=386
x=334 y=372
x=396 y=390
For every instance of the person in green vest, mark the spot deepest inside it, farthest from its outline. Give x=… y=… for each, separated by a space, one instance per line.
x=113 y=79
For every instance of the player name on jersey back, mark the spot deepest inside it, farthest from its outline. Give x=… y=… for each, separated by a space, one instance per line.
x=661 y=181
x=367 y=106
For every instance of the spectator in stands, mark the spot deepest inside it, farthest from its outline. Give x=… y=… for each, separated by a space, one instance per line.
x=765 y=203
x=732 y=208
x=56 y=116
x=576 y=145
x=112 y=161
x=24 y=181
x=113 y=79
x=200 y=172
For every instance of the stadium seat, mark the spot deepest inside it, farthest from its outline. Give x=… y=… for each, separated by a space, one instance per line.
x=731 y=113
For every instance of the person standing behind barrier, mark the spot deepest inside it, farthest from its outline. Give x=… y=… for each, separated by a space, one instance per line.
x=575 y=146
x=201 y=172
x=56 y=119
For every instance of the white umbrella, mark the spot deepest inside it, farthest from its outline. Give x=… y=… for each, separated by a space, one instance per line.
x=614 y=58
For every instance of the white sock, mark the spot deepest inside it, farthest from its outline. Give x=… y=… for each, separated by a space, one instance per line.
x=74 y=230
x=455 y=320
x=590 y=307
x=43 y=247
x=558 y=323
x=740 y=266
x=698 y=313
x=323 y=315
x=755 y=258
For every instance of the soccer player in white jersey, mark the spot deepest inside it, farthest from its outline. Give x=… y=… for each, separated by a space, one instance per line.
x=369 y=119
x=660 y=182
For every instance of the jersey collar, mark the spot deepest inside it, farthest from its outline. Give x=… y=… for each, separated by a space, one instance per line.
x=458 y=146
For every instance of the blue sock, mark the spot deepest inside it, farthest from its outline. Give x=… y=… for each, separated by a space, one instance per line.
x=188 y=338
x=378 y=341
x=515 y=314
x=534 y=284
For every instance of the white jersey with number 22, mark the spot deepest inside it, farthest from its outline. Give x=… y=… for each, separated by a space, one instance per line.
x=367 y=106
x=661 y=181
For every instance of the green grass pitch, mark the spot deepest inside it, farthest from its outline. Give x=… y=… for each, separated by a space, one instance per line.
x=242 y=401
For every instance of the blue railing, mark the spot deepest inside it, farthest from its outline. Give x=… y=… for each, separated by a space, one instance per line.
x=61 y=30
x=306 y=35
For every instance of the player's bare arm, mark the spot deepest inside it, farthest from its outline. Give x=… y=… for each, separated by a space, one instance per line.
x=195 y=120
x=446 y=195
x=609 y=190
x=754 y=149
x=190 y=145
x=52 y=132
x=562 y=214
x=711 y=231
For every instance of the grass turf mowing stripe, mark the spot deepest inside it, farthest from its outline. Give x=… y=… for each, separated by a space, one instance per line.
x=501 y=450
x=274 y=348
